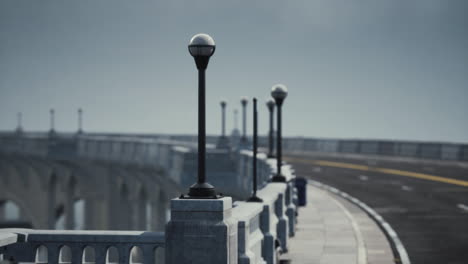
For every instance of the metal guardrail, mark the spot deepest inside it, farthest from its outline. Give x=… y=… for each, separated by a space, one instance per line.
x=407 y=149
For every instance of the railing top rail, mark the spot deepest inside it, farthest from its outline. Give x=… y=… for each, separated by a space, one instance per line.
x=8 y=238
x=270 y=192
x=245 y=211
x=72 y=236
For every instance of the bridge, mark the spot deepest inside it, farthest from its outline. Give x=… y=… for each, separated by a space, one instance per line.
x=126 y=182
x=122 y=198
x=115 y=182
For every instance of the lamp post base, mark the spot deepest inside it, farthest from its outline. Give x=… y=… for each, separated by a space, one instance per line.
x=278 y=178
x=201 y=191
x=255 y=199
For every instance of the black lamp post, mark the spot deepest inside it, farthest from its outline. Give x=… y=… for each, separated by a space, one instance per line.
x=236 y=125
x=279 y=93
x=271 y=107
x=254 y=197
x=80 y=121
x=223 y=118
x=201 y=47
x=52 y=121
x=223 y=141
x=244 y=102
x=19 y=127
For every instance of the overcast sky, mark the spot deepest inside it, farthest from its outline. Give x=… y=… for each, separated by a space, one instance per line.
x=395 y=69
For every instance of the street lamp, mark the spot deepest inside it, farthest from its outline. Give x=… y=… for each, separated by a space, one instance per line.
x=223 y=141
x=80 y=121
x=279 y=93
x=223 y=118
x=19 y=127
x=52 y=121
x=244 y=102
x=271 y=107
x=254 y=197
x=236 y=123
x=201 y=47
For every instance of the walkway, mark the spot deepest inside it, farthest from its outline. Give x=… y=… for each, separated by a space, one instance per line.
x=331 y=230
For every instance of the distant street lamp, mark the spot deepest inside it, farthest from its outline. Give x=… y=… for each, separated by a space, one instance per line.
x=236 y=123
x=201 y=47
x=19 y=127
x=254 y=197
x=271 y=107
x=279 y=93
x=223 y=141
x=52 y=121
x=80 y=121
x=235 y=135
x=244 y=102
x=223 y=118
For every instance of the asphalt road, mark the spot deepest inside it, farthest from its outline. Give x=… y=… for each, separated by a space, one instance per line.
x=429 y=214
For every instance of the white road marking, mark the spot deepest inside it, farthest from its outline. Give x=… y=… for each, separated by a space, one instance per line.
x=406 y=188
x=463 y=207
x=317 y=169
x=363 y=177
x=362 y=250
x=404 y=258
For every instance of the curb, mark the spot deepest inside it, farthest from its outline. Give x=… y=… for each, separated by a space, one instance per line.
x=399 y=251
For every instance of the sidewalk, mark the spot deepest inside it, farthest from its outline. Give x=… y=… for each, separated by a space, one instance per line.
x=332 y=230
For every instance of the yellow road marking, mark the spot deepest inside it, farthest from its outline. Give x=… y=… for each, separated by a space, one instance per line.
x=382 y=170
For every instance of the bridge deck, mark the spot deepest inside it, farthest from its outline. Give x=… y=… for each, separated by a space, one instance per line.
x=332 y=230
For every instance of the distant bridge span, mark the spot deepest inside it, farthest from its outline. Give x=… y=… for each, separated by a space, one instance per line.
x=50 y=192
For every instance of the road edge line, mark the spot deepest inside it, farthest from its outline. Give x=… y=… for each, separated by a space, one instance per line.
x=399 y=250
x=362 y=250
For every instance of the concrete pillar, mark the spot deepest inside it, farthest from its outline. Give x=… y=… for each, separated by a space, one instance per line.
x=162 y=206
x=283 y=225
x=291 y=209
x=201 y=231
x=51 y=202
x=69 y=208
x=69 y=213
x=2 y=210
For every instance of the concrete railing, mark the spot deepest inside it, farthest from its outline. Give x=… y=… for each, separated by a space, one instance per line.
x=262 y=234
x=253 y=232
x=43 y=145
x=51 y=246
x=250 y=235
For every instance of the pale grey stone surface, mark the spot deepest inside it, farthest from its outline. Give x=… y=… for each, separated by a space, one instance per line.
x=332 y=230
x=201 y=205
x=268 y=223
x=250 y=236
x=206 y=237
x=46 y=246
x=7 y=238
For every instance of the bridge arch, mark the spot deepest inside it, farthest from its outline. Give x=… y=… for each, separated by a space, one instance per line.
x=9 y=210
x=14 y=212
